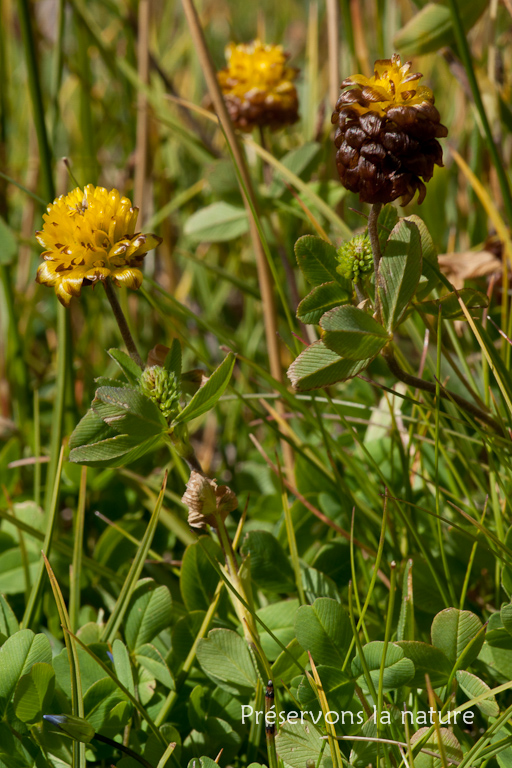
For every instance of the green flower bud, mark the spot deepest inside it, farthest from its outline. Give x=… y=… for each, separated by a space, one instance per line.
x=163 y=388
x=76 y=727
x=355 y=258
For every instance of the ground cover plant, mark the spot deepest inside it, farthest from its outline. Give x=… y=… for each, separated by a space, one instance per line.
x=256 y=392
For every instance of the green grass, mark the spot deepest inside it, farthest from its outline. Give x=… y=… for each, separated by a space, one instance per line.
x=371 y=513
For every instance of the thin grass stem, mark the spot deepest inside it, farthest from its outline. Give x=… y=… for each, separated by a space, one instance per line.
x=465 y=54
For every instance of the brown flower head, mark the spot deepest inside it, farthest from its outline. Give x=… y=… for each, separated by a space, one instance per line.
x=207 y=501
x=387 y=131
x=257 y=86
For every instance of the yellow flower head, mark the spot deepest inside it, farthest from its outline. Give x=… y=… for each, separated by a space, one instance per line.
x=391 y=86
x=258 y=86
x=89 y=235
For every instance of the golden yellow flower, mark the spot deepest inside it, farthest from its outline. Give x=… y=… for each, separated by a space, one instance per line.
x=89 y=236
x=387 y=134
x=258 y=86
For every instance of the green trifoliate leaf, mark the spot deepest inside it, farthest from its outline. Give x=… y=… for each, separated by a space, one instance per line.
x=129 y=412
x=173 y=358
x=207 y=396
x=399 y=272
x=322 y=298
x=130 y=368
x=318 y=262
x=352 y=333
x=429 y=262
x=113 y=452
x=318 y=366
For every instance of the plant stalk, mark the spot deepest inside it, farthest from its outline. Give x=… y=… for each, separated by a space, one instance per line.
x=247 y=191
x=373 y=234
x=123 y=324
x=428 y=386
x=45 y=155
x=247 y=621
x=333 y=49
x=123 y=748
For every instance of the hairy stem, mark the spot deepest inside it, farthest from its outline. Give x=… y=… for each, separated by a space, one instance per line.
x=373 y=234
x=428 y=386
x=123 y=324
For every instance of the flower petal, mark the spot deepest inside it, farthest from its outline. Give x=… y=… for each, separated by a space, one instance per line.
x=129 y=277
x=46 y=274
x=142 y=244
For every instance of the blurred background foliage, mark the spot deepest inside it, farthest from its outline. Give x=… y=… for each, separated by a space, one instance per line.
x=101 y=90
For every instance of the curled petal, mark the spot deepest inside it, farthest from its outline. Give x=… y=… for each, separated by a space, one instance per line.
x=72 y=281
x=119 y=249
x=98 y=273
x=63 y=296
x=129 y=277
x=142 y=244
x=46 y=274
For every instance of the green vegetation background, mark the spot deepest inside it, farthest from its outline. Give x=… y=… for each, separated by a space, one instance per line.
x=72 y=85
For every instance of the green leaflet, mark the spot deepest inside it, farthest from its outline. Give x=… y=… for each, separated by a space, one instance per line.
x=400 y=270
x=318 y=366
x=352 y=333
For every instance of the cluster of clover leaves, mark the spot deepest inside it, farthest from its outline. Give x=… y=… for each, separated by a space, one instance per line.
x=352 y=335
x=131 y=416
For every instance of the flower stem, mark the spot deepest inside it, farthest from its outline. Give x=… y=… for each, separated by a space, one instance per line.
x=373 y=234
x=267 y=170
x=246 y=619
x=427 y=386
x=123 y=748
x=122 y=323
x=263 y=265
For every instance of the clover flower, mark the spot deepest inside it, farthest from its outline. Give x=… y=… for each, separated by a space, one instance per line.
x=355 y=258
x=89 y=236
x=387 y=134
x=163 y=388
x=257 y=86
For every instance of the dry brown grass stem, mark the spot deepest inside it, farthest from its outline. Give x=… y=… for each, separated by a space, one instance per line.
x=333 y=44
x=264 y=274
x=141 y=180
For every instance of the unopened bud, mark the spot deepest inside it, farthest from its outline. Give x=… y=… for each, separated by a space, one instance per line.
x=75 y=727
x=163 y=388
x=355 y=258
